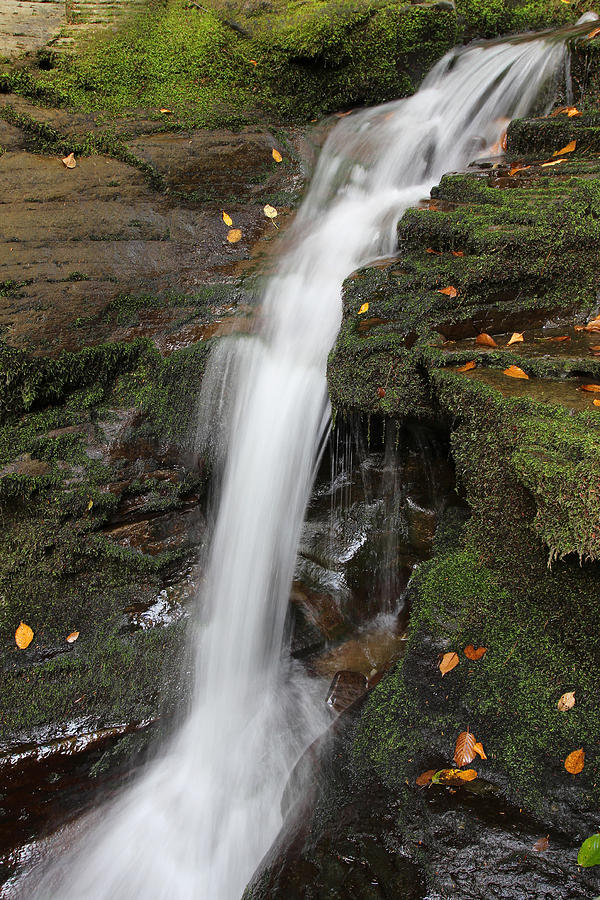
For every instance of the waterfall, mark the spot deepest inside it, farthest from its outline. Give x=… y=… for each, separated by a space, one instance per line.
x=196 y=823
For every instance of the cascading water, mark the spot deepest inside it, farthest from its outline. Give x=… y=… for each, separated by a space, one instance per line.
x=196 y=824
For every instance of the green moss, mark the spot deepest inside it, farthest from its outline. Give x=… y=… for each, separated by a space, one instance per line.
x=488 y=18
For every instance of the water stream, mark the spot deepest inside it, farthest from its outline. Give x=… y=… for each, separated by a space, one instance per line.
x=197 y=822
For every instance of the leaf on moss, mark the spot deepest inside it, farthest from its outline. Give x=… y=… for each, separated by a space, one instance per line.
x=227 y=219
x=575 y=761
x=589 y=852
x=467 y=366
x=448 y=662
x=458 y=253
x=454 y=777
x=381 y=393
x=23 y=636
x=567 y=701
x=425 y=777
x=449 y=291
x=516 y=338
x=276 y=155
x=464 y=751
x=474 y=654
x=566 y=149
x=71 y=638
x=485 y=340
x=596 y=402
x=553 y=162
x=516 y=169
x=234 y=235
x=592 y=34
x=435 y=252
x=569 y=111
x=515 y=372
x=364 y=308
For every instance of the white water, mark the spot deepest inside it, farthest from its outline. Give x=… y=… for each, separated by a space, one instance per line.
x=197 y=823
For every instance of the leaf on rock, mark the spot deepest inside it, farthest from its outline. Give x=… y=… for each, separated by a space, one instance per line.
x=90 y=504
x=516 y=338
x=575 y=761
x=448 y=662
x=276 y=155
x=364 y=308
x=516 y=169
x=449 y=291
x=485 y=340
x=515 y=372
x=478 y=748
x=467 y=366
x=474 y=654
x=567 y=701
x=23 y=636
x=590 y=388
x=567 y=149
x=71 y=638
x=234 y=235
x=454 y=777
x=558 y=339
x=541 y=844
x=270 y=211
x=425 y=777
x=589 y=852
x=227 y=219
x=464 y=752
x=69 y=161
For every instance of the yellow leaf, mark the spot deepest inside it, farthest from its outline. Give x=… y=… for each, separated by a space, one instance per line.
x=90 y=504
x=448 y=662
x=69 y=161
x=568 y=149
x=23 y=636
x=364 y=308
x=71 y=638
x=467 y=366
x=554 y=162
x=596 y=402
x=575 y=762
x=478 y=748
x=567 y=701
x=270 y=211
x=227 y=219
x=276 y=155
x=234 y=235
x=515 y=372
x=454 y=776
x=449 y=291
x=516 y=338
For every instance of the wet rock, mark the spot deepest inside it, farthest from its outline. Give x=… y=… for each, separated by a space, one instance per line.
x=345 y=689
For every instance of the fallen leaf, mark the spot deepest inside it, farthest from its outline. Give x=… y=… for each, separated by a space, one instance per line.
x=234 y=235
x=464 y=752
x=467 y=366
x=478 y=748
x=590 y=388
x=594 y=347
x=276 y=155
x=425 y=777
x=431 y=250
x=558 y=339
x=343 y=115
x=90 y=504
x=164 y=110
x=570 y=111
x=364 y=308
x=474 y=654
x=567 y=149
x=449 y=291
x=567 y=701
x=270 y=211
x=517 y=338
x=454 y=776
x=516 y=169
x=458 y=253
x=593 y=33
x=575 y=761
x=69 y=161
x=23 y=636
x=589 y=852
x=227 y=219
x=71 y=638
x=381 y=392
x=541 y=844
x=253 y=62
x=592 y=325
x=515 y=372
x=448 y=662
x=596 y=402
x=485 y=340
x=554 y=162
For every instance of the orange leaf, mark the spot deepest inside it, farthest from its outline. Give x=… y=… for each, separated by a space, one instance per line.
x=590 y=388
x=485 y=340
x=554 y=162
x=448 y=662
x=593 y=34
x=364 y=308
x=381 y=392
x=559 y=338
x=23 y=636
x=567 y=701
x=69 y=161
x=454 y=777
x=276 y=155
x=516 y=169
x=515 y=372
x=253 y=62
x=234 y=235
x=478 y=748
x=575 y=762
x=594 y=347
x=475 y=654
x=567 y=149
x=71 y=638
x=425 y=777
x=164 y=111
x=458 y=253
x=541 y=844
x=464 y=752
x=467 y=366
x=449 y=291
x=431 y=250
x=517 y=338
x=596 y=402
x=341 y=115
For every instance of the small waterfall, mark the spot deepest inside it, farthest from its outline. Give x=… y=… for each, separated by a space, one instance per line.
x=198 y=821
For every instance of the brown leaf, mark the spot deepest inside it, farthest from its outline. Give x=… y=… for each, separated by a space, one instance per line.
x=23 y=636
x=558 y=339
x=234 y=235
x=435 y=252
x=515 y=372
x=575 y=761
x=449 y=291
x=425 y=777
x=567 y=149
x=541 y=844
x=69 y=161
x=342 y=115
x=594 y=348
x=516 y=338
x=474 y=654
x=516 y=169
x=593 y=34
x=464 y=752
x=590 y=388
x=381 y=392
x=478 y=748
x=567 y=701
x=276 y=155
x=467 y=366
x=454 y=777
x=448 y=662
x=71 y=638
x=485 y=340
x=458 y=253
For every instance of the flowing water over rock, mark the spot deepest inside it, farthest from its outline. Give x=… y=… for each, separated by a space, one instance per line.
x=199 y=820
